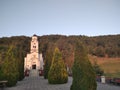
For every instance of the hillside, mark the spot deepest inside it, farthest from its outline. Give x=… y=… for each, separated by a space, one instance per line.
x=106 y=49
x=102 y=46
x=99 y=45
x=109 y=65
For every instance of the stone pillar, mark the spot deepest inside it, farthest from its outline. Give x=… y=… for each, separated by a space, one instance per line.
x=102 y=79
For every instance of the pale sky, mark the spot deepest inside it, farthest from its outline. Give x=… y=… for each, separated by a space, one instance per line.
x=65 y=17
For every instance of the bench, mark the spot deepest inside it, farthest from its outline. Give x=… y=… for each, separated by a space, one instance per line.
x=3 y=84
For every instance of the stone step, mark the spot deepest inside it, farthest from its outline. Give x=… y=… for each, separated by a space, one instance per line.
x=34 y=73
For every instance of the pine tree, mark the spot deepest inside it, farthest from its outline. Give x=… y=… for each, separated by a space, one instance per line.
x=10 y=67
x=97 y=69
x=20 y=58
x=48 y=60
x=1 y=73
x=57 y=73
x=83 y=73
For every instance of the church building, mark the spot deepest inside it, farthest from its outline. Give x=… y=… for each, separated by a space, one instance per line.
x=34 y=60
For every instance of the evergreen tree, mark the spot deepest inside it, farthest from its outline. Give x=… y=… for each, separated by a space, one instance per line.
x=48 y=60
x=10 y=67
x=1 y=76
x=83 y=73
x=57 y=73
x=20 y=58
x=97 y=69
x=1 y=73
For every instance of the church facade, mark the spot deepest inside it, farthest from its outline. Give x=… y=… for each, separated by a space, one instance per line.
x=34 y=59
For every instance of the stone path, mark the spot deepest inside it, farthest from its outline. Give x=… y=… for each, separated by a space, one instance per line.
x=34 y=82
x=34 y=73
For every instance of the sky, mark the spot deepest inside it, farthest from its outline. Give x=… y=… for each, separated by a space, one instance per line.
x=64 y=17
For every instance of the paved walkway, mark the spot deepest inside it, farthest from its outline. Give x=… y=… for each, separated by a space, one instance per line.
x=34 y=82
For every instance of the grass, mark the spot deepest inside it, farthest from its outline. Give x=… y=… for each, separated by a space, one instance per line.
x=111 y=66
x=117 y=74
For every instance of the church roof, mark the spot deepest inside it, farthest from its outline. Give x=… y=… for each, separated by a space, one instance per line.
x=34 y=35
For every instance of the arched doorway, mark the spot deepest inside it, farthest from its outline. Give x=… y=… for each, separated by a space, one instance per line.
x=34 y=66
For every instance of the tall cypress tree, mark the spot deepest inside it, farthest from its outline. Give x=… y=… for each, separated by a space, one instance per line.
x=48 y=61
x=10 y=67
x=57 y=73
x=83 y=73
x=20 y=58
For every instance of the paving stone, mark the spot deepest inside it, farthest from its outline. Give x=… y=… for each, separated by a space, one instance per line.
x=36 y=82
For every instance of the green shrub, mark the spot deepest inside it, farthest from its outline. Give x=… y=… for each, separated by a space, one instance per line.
x=83 y=73
x=57 y=73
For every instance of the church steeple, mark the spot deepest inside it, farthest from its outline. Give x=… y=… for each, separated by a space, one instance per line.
x=34 y=44
x=34 y=59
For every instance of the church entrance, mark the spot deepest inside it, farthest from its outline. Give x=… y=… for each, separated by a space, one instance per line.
x=34 y=66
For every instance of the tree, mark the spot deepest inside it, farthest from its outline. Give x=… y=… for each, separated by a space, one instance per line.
x=83 y=73
x=1 y=73
x=97 y=69
x=57 y=73
x=10 y=67
x=20 y=58
x=48 y=60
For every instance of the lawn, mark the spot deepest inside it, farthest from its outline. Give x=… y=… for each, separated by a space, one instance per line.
x=111 y=66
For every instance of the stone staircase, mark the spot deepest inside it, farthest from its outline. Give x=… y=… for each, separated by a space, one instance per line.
x=34 y=73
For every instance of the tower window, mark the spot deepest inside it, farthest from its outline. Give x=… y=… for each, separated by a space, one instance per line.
x=34 y=46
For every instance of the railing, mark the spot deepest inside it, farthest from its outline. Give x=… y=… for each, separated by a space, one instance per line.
x=109 y=80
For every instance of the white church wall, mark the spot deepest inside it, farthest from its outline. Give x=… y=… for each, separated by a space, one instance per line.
x=34 y=60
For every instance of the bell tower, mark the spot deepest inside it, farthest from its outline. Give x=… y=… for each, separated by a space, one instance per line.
x=34 y=44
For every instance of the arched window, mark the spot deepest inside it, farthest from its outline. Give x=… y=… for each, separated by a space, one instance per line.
x=34 y=46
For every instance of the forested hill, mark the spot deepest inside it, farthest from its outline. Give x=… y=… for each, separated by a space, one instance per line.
x=14 y=49
x=101 y=46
